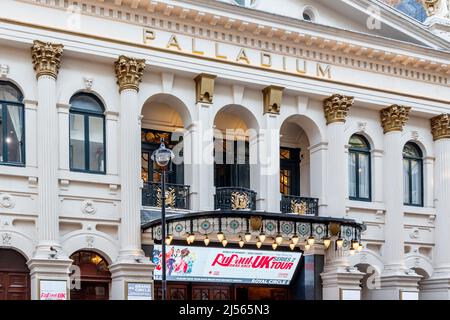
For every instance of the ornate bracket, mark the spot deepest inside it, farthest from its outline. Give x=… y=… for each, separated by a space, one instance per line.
x=273 y=96
x=204 y=88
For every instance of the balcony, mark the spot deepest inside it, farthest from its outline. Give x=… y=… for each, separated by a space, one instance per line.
x=299 y=205
x=177 y=196
x=234 y=198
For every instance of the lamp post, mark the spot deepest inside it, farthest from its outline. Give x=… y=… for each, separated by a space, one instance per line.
x=162 y=156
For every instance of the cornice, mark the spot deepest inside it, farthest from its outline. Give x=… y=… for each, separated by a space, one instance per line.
x=288 y=31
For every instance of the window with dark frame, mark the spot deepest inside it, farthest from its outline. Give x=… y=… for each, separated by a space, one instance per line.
x=87 y=134
x=359 y=165
x=412 y=175
x=12 y=128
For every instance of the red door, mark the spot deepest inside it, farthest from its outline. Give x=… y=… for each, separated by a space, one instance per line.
x=14 y=276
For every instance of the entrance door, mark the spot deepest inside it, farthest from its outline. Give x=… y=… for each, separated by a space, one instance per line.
x=209 y=292
x=14 y=276
x=95 y=277
x=290 y=172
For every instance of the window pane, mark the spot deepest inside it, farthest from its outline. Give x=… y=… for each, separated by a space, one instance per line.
x=364 y=176
x=9 y=93
x=77 y=152
x=352 y=174
x=86 y=103
x=416 y=183
x=406 y=181
x=358 y=142
x=96 y=144
x=411 y=150
x=1 y=133
x=14 y=137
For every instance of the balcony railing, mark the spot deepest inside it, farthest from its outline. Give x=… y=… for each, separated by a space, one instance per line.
x=177 y=196
x=299 y=205
x=234 y=198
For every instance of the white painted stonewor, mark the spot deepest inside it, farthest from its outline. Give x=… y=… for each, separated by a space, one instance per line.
x=336 y=188
x=130 y=174
x=47 y=133
x=393 y=250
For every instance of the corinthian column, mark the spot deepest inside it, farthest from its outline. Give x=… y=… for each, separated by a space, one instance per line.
x=48 y=259
x=336 y=109
x=438 y=286
x=131 y=265
x=395 y=277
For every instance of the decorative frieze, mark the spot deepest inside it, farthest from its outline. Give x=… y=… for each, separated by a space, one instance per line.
x=336 y=108
x=129 y=72
x=46 y=58
x=273 y=97
x=440 y=127
x=394 y=118
x=204 y=88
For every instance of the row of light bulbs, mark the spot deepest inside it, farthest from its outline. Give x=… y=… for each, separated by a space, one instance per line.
x=356 y=246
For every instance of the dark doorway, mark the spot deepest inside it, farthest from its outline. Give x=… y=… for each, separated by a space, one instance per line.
x=290 y=171
x=95 y=276
x=14 y=276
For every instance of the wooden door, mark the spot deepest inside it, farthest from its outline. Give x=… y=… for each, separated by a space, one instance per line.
x=14 y=276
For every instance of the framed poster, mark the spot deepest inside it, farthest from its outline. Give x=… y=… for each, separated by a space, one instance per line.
x=348 y=294
x=53 y=290
x=409 y=295
x=138 y=291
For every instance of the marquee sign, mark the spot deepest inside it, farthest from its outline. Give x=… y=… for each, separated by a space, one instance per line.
x=198 y=264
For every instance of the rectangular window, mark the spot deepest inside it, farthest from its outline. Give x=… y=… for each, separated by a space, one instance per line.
x=406 y=181
x=416 y=183
x=352 y=175
x=77 y=134
x=14 y=138
x=1 y=133
x=96 y=145
x=364 y=176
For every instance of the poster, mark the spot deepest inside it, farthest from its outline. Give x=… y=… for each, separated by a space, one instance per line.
x=53 y=290
x=347 y=294
x=186 y=263
x=139 y=291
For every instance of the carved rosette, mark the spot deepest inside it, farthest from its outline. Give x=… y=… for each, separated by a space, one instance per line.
x=336 y=108
x=129 y=72
x=46 y=58
x=394 y=118
x=440 y=127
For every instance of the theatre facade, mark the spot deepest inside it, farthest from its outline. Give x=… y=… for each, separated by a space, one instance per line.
x=311 y=143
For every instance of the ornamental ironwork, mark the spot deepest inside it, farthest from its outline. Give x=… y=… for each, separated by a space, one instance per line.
x=234 y=198
x=177 y=196
x=299 y=205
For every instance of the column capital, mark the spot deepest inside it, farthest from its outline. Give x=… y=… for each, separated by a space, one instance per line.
x=204 y=88
x=273 y=95
x=336 y=108
x=129 y=72
x=440 y=127
x=394 y=118
x=46 y=58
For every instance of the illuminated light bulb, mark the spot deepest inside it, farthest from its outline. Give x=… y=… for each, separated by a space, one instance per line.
x=307 y=246
x=339 y=243
x=224 y=242
x=168 y=240
x=220 y=236
x=258 y=244
x=311 y=240
x=262 y=237
x=295 y=240
x=274 y=245
x=241 y=243
x=192 y=238
x=279 y=239
x=352 y=251
x=248 y=236
x=292 y=245
x=326 y=242
x=188 y=239
x=355 y=244
x=206 y=241
x=360 y=247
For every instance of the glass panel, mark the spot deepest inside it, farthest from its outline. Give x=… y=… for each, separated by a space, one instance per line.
x=1 y=133
x=9 y=93
x=285 y=182
x=364 y=176
x=86 y=102
x=358 y=142
x=416 y=183
x=285 y=154
x=77 y=152
x=96 y=144
x=14 y=138
x=411 y=151
x=145 y=157
x=406 y=174
x=352 y=174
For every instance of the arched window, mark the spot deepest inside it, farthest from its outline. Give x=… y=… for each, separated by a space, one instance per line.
x=412 y=175
x=12 y=133
x=87 y=134
x=359 y=169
